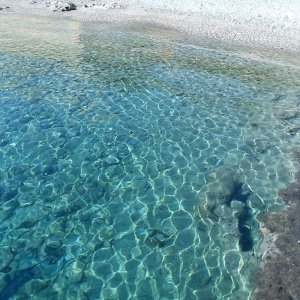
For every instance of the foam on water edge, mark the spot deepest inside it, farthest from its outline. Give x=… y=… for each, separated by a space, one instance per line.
x=134 y=165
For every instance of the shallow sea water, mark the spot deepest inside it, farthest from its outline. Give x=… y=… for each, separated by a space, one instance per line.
x=134 y=161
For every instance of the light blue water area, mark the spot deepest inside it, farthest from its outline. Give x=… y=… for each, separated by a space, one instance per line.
x=134 y=162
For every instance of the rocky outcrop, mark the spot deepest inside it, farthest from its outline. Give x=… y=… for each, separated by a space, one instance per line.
x=59 y=6
x=278 y=276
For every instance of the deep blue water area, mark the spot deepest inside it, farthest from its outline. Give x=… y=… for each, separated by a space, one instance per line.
x=134 y=161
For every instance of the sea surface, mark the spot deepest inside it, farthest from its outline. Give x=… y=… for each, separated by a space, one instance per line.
x=135 y=161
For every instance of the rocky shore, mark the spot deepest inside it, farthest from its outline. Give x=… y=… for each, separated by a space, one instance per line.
x=278 y=276
x=271 y=24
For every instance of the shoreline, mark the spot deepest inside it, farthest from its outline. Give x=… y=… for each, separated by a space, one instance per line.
x=251 y=26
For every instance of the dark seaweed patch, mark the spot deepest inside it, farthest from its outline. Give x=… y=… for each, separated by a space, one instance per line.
x=244 y=217
x=246 y=240
x=238 y=193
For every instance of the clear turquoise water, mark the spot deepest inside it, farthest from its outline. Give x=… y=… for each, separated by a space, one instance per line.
x=134 y=161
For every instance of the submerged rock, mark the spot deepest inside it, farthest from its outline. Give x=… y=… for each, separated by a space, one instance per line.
x=159 y=236
x=227 y=201
x=226 y=186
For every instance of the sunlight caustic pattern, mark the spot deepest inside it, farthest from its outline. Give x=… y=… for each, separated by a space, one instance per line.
x=134 y=162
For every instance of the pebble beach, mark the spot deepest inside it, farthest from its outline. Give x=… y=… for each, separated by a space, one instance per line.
x=270 y=24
